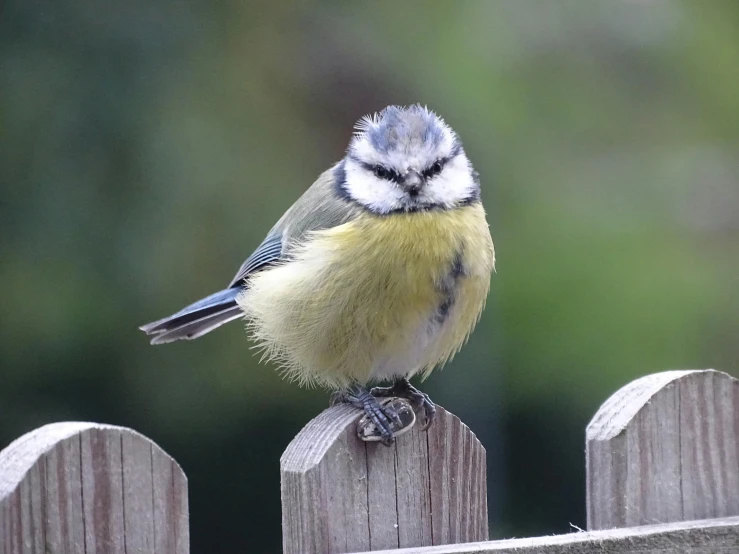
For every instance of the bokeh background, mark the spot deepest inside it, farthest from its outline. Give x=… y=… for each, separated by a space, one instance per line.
x=147 y=147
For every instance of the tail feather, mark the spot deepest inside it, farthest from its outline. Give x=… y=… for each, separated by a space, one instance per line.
x=199 y=327
x=196 y=319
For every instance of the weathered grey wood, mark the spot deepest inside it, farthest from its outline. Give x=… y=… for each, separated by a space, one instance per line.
x=340 y=494
x=171 y=524
x=64 y=510
x=32 y=510
x=713 y=536
x=137 y=495
x=87 y=488
x=102 y=487
x=665 y=448
x=381 y=501
x=414 y=489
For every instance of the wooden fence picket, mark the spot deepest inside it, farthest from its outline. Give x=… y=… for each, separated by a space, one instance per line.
x=87 y=488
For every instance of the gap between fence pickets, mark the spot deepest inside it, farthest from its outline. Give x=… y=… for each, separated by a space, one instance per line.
x=707 y=536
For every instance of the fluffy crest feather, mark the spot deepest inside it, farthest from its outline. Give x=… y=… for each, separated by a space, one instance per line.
x=366 y=123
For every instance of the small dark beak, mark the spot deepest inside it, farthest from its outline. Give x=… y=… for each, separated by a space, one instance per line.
x=413 y=182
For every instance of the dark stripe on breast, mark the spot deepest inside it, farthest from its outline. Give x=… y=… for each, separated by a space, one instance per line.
x=448 y=288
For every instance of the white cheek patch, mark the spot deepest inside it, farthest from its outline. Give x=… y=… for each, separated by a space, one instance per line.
x=379 y=195
x=452 y=186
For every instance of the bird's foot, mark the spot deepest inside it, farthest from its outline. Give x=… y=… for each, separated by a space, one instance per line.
x=383 y=421
x=419 y=400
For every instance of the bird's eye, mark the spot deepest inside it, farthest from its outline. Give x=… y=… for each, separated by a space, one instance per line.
x=434 y=169
x=381 y=172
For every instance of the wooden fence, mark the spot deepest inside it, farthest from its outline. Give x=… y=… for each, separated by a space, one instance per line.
x=662 y=477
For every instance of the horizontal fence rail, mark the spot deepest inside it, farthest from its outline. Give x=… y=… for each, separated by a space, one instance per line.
x=711 y=536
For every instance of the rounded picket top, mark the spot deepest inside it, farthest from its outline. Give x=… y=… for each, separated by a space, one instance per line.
x=77 y=487
x=341 y=494
x=665 y=448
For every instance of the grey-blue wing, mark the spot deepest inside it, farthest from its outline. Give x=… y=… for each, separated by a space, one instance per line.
x=217 y=309
x=318 y=208
x=266 y=254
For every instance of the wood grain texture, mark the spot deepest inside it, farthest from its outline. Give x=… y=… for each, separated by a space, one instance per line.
x=87 y=488
x=340 y=494
x=102 y=486
x=714 y=536
x=665 y=448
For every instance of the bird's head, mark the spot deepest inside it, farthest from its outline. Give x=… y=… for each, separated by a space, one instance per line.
x=406 y=159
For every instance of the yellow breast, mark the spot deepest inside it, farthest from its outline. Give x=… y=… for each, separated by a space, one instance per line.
x=370 y=297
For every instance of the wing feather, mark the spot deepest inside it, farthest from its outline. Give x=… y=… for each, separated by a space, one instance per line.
x=320 y=207
x=267 y=253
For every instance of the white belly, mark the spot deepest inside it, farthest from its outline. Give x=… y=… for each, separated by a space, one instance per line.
x=410 y=361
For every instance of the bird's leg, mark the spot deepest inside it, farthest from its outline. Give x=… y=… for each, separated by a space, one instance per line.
x=420 y=401
x=385 y=419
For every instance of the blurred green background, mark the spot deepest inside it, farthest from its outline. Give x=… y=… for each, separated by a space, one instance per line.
x=147 y=147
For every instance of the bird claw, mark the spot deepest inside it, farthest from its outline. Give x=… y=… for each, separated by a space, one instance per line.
x=419 y=400
x=368 y=431
x=382 y=421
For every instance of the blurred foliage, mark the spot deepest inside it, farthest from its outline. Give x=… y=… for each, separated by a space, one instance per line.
x=148 y=146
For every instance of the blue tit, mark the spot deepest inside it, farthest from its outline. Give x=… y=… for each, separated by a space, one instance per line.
x=378 y=272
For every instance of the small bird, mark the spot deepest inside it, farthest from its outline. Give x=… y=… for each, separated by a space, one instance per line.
x=378 y=272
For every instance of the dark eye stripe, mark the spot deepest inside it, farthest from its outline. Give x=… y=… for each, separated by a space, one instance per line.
x=435 y=168
x=381 y=172
x=387 y=174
